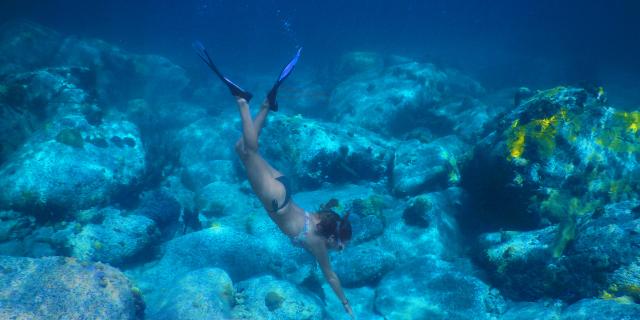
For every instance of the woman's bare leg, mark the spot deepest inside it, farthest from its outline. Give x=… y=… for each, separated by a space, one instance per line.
x=258 y=122
x=249 y=136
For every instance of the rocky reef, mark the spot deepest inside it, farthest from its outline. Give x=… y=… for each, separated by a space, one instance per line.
x=122 y=197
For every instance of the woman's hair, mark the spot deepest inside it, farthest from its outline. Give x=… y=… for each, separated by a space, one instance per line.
x=331 y=224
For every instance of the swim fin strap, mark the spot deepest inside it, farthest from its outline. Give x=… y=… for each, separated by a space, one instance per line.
x=235 y=89
x=286 y=71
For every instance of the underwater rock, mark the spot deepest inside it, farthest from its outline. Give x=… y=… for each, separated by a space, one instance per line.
x=29 y=99
x=304 y=96
x=558 y=155
x=438 y=236
x=417 y=212
x=15 y=225
x=206 y=151
x=312 y=153
x=62 y=288
x=361 y=301
x=362 y=265
x=409 y=96
x=598 y=258
x=268 y=298
x=365 y=228
x=542 y=310
x=589 y=309
x=20 y=37
x=118 y=239
x=200 y=294
x=219 y=199
x=358 y=62
x=160 y=206
x=240 y=254
x=47 y=174
x=116 y=75
x=433 y=288
x=420 y=167
x=120 y=76
x=38 y=241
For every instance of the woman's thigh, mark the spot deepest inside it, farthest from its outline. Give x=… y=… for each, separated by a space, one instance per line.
x=262 y=178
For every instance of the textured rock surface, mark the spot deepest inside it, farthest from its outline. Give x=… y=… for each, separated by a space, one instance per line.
x=433 y=288
x=116 y=240
x=200 y=294
x=420 y=167
x=62 y=288
x=269 y=298
x=589 y=309
x=72 y=165
x=362 y=265
x=240 y=254
x=558 y=155
x=317 y=152
x=523 y=267
x=406 y=98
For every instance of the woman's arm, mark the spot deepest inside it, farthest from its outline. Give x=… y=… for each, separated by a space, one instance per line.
x=322 y=256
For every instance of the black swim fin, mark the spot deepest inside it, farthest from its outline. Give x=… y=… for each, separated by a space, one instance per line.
x=235 y=89
x=271 y=96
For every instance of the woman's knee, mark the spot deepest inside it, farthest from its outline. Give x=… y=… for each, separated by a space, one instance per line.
x=250 y=145
x=243 y=148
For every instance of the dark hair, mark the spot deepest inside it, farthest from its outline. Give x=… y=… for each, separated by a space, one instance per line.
x=331 y=224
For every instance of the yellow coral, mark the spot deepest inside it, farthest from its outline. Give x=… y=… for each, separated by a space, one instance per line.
x=631 y=120
x=517 y=141
x=606 y=295
x=541 y=131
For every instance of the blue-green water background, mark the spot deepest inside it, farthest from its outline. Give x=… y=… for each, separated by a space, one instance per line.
x=502 y=43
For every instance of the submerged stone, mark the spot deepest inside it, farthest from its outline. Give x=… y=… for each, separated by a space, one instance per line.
x=71 y=137
x=63 y=288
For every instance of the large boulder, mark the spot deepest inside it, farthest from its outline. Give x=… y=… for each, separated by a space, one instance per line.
x=206 y=151
x=559 y=154
x=592 y=309
x=435 y=289
x=200 y=294
x=117 y=76
x=404 y=96
x=313 y=152
x=420 y=167
x=362 y=265
x=426 y=225
x=29 y=99
x=62 y=288
x=268 y=298
x=26 y=46
x=71 y=165
x=599 y=257
x=542 y=310
x=240 y=254
x=116 y=240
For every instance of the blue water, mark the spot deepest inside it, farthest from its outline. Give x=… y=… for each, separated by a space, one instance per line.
x=505 y=43
x=486 y=154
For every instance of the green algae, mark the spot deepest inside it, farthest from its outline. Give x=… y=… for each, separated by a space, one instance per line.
x=273 y=300
x=71 y=137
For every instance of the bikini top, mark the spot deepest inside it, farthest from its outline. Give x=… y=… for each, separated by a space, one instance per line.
x=299 y=239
